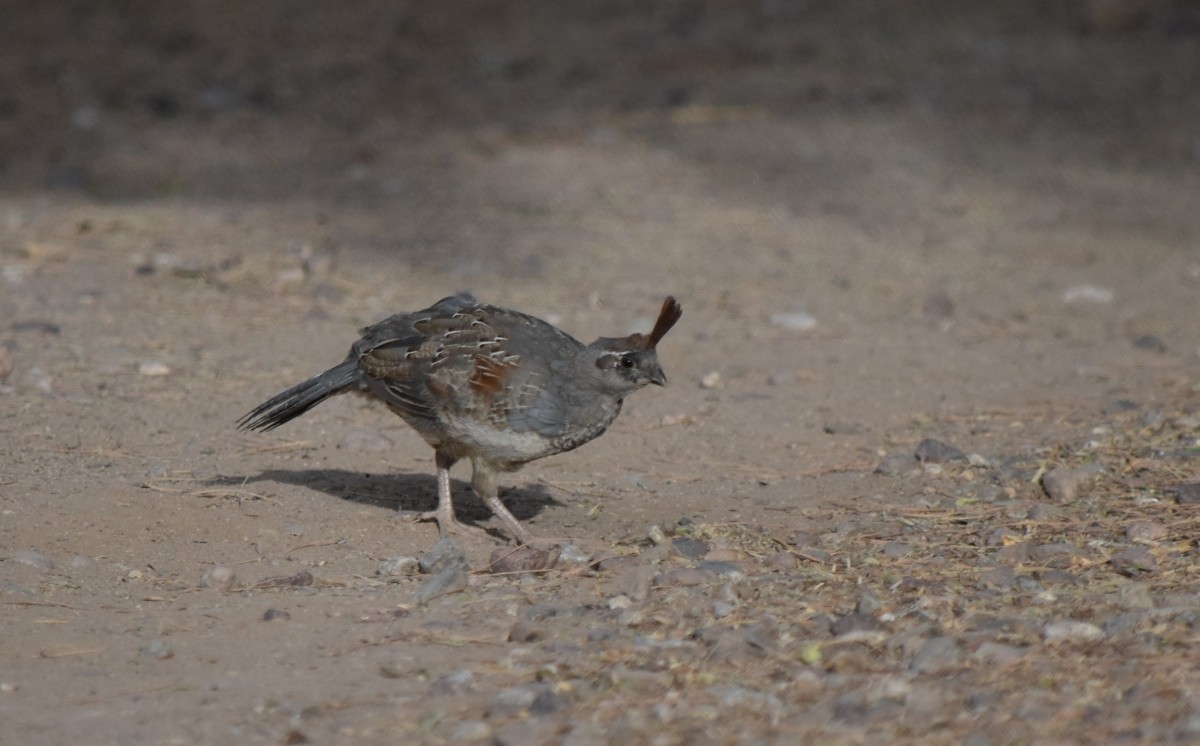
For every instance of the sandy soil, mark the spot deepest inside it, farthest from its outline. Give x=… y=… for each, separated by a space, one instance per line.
x=886 y=223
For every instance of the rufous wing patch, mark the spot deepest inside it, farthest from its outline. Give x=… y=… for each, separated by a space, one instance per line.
x=488 y=378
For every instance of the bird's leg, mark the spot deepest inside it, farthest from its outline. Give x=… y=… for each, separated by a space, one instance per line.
x=444 y=515
x=483 y=481
x=447 y=522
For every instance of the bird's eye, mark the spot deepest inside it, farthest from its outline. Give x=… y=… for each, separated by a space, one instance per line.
x=628 y=362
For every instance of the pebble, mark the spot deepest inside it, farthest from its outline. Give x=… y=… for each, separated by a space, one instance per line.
x=1088 y=293
x=990 y=651
x=634 y=582
x=868 y=604
x=472 y=731
x=688 y=548
x=219 y=578
x=896 y=462
x=998 y=577
x=572 y=554
x=516 y=701
x=1064 y=484
x=1146 y=532
x=6 y=363
x=1184 y=493
x=33 y=558
x=276 y=615
x=930 y=451
x=1069 y=630
x=710 y=380
x=938 y=305
x=158 y=650
x=398 y=567
x=855 y=622
x=358 y=438
x=726 y=569
x=445 y=553
x=938 y=654
x=1135 y=596
x=795 y=320
x=1150 y=343
x=154 y=368
x=782 y=561
x=896 y=550
x=461 y=681
x=525 y=559
x=298 y=580
x=1133 y=561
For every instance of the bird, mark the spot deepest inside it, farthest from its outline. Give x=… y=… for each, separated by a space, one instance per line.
x=485 y=383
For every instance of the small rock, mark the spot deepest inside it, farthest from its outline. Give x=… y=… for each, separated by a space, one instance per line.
x=635 y=581
x=688 y=548
x=298 y=580
x=1146 y=532
x=1135 y=596
x=782 y=561
x=445 y=553
x=896 y=550
x=855 y=622
x=33 y=558
x=795 y=320
x=888 y=689
x=514 y=701
x=1088 y=293
x=843 y=427
x=459 y=682
x=1116 y=406
x=710 y=380
x=218 y=578
x=1069 y=630
x=656 y=535
x=472 y=731
x=930 y=451
x=154 y=368
x=448 y=580
x=726 y=569
x=276 y=615
x=868 y=605
x=571 y=554
x=1065 y=485
x=996 y=652
x=447 y=562
x=398 y=567
x=896 y=462
x=1133 y=561
x=1150 y=343
x=938 y=305
x=998 y=577
x=6 y=363
x=157 y=649
x=1185 y=493
x=688 y=577
x=357 y=438
x=938 y=654
x=524 y=559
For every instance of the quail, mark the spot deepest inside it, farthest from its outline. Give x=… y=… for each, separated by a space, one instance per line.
x=484 y=383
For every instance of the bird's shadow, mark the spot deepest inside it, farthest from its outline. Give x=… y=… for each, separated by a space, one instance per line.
x=402 y=491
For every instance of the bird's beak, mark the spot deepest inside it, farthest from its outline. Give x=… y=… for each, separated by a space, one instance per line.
x=658 y=378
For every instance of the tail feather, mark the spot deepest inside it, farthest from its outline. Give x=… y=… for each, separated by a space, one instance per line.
x=302 y=397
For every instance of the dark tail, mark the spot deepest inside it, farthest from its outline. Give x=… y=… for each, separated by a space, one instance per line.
x=302 y=397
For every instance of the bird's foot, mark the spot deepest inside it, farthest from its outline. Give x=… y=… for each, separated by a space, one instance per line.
x=448 y=527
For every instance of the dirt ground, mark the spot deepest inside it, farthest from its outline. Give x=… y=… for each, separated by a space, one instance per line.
x=975 y=223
